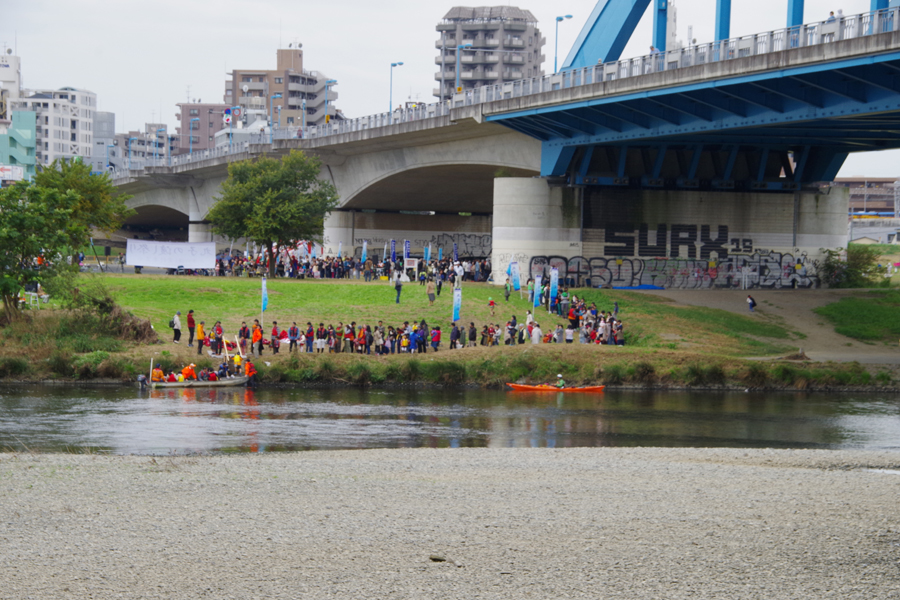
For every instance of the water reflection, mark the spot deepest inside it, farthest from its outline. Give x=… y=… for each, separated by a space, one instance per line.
x=239 y=420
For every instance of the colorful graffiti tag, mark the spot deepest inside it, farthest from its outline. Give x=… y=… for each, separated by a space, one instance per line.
x=760 y=269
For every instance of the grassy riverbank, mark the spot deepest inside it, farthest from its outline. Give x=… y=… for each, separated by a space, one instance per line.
x=667 y=343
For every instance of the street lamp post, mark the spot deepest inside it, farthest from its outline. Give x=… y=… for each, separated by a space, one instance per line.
x=272 y=117
x=556 y=41
x=327 y=83
x=191 y=134
x=391 y=96
x=458 y=49
x=129 y=151
x=156 y=143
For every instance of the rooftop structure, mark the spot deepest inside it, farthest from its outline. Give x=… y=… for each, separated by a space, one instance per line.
x=505 y=45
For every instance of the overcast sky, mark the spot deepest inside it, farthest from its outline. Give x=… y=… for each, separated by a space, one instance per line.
x=140 y=57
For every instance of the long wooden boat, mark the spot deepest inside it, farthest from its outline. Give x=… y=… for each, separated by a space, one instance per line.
x=229 y=382
x=517 y=387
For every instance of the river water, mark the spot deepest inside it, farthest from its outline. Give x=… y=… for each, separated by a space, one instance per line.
x=127 y=421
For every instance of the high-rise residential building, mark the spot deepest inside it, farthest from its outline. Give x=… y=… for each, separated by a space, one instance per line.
x=298 y=88
x=104 y=136
x=17 y=145
x=202 y=130
x=10 y=82
x=506 y=45
x=64 y=121
x=132 y=148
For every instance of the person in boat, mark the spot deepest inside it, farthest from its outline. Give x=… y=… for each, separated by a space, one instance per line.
x=172 y=378
x=250 y=370
x=189 y=373
x=237 y=364
x=157 y=374
x=223 y=371
x=560 y=383
x=211 y=376
x=203 y=375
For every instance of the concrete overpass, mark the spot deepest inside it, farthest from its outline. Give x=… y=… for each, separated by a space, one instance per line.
x=624 y=147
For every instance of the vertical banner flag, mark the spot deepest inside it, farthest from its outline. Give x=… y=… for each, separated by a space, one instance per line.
x=440 y=253
x=340 y=247
x=537 y=292
x=314 y=250
x=393 y=250
x=265 y=295
x=514 y=275
x=428 y=253
x=457 y=303
x=405 y=249
x=554 y=285
x=364 y=252
x=455 y=253
x=384 y=253
x=309 y=248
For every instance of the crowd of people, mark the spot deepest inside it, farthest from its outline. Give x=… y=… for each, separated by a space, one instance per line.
x=586 y=325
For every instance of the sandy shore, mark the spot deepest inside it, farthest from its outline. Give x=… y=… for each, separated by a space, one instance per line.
x=575 y=523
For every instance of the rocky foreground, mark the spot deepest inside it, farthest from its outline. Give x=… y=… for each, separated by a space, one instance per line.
x=469 y=523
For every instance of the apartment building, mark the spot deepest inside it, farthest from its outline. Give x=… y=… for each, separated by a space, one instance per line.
x=10 y=83
x=301 y=92
x=203 y=120
x=64 y=122
x=17 y=147
x=506 y=45
x=130 y=149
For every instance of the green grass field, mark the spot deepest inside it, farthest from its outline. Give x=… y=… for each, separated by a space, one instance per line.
x=874 y=316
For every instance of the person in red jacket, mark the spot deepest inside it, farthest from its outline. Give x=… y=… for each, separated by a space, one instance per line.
x=250 y=371
x=191 y=325
x=276 y=337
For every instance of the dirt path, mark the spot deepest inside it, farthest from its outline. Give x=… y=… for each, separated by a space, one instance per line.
x=794 y=309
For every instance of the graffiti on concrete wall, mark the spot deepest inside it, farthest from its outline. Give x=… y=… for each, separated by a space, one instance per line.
x=467 y=244
x=760 y=269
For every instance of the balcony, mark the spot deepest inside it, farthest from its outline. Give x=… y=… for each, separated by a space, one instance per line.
x=513 y=43
x=512 y=75
x=513 y=59
x=447 y=75
x=450 y=42
x=491 y=43
x=513 y=26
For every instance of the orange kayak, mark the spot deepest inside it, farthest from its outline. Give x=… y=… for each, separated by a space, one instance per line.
x=596 y=389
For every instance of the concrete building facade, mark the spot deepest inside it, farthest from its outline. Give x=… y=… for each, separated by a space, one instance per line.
x=104 y=136
x=17 y=142
x=506 y=46
x=10 y=83
x=132 y=148
x=301 y=91
x=64 y=122
x=203 y=131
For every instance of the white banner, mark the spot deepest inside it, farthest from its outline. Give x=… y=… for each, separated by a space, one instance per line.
x=10 y=173
x=171 y=255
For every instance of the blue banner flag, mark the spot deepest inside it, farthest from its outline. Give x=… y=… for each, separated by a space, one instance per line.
x=440 y=253
x=554 y=286
x=537 y=291
x=393 y=250
x=340 y=247
x=405 y=249
x=455 y=253
x=364 y=252
x=265 y=295
x=457 y=303
x=514 y=275
x=314 y=250
x=428 y=253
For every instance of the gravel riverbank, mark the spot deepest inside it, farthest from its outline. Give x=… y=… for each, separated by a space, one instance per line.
x=469 y=523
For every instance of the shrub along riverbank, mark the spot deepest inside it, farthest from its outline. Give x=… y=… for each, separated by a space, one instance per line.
x=667 y=344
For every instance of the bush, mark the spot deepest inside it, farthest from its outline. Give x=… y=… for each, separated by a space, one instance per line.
x=12 y=366
x=325 y=370
x=411 y=370
x=785 y=374
x=613 y=375
x=359 y=373
x=756 y=375
x=695 y=374
x=715 y=375
x=447 y=372
x=859 y=270
x=643 y=372
x=86 y=366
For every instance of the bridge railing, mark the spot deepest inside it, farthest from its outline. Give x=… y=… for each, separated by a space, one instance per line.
x=812 y=34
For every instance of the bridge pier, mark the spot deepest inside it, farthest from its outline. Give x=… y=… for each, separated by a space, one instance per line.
x=338 y=233
x=532 y=218
x=199 y=231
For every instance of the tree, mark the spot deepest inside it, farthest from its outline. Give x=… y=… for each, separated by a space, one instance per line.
x=859 y=270
x=50 y=217
x=273 y=201
x=34 y=221
x=98 y=203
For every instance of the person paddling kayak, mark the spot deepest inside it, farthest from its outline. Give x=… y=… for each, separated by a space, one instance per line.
x=559 y=381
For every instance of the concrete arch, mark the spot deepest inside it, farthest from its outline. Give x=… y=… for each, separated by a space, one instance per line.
x=451 y=162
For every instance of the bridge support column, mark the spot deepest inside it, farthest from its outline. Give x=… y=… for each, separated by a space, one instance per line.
x=533 y=219
x=338 y=232
x=198 y=230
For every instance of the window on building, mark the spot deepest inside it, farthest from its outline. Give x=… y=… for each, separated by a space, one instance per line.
x=74 y=137
x=210 y=124
x=290 y=120
x=247 y=79
x=74 y=98
x=279 y=80
x=210 y=138
x=195 y=124
x=227 y=92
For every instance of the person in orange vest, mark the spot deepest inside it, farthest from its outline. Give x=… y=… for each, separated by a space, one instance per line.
x=157 y=374
x=201 y=336
x=257 y=339
x=189 y=373
x=250 y=371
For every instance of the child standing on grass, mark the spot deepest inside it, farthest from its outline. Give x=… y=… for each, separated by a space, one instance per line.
x=492 y=304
